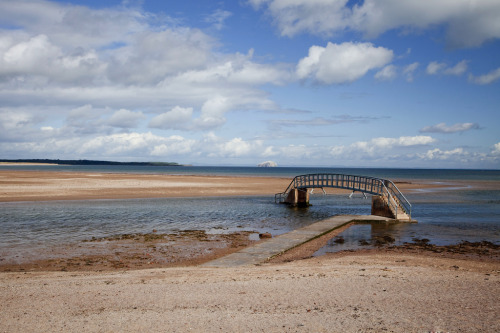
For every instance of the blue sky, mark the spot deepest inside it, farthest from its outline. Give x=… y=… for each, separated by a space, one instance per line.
x=369 y=83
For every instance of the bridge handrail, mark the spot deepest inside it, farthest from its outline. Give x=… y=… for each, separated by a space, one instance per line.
x=405 y=204
x=371 y=185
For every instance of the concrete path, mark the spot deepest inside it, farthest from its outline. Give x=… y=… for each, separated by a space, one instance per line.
x=259 y=253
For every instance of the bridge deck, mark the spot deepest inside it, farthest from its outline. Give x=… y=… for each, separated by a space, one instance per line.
x=263 y=251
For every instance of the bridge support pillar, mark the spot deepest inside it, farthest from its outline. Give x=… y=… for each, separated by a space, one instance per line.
x=380 y=207
x=298 y=197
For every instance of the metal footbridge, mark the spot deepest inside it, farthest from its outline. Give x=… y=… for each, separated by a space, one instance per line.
x=385 y=189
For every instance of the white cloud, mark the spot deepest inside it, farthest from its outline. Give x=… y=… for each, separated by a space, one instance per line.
x=132 y=144
x=459 y=157
x=213 y=146
x=435 y=67
x=237 y=69
x=409 y=70
x=37 y=58
x=12 y=120
x=438 y=154
x=443 y=128
x=236 y=147
x=386 y=73
x=65 y=56
x=136 y=145
x=125 y=118
x=380 y=145
x=211 y=117
x=496 y=149
x=174 y=146
x=321 y=121
x=341 y=63
x=313 y=16
x=212 y=112
x=144 y=59
x=294 y=152
x=486 y=78
x=73 y=26
x=177 y=118
x=18 y=124
x=388 y=143
x=217 y=18
x=458 y=69
x=150 y=56
x=87 y=120
x=467 y=23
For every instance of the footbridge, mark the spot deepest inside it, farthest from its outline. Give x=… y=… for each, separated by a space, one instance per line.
x=387 y=199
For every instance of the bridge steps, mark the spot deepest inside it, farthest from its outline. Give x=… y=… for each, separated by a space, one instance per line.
x=398 y=214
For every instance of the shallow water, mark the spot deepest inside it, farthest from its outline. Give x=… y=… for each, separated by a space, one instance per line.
x=444 y=216
x=39 y=224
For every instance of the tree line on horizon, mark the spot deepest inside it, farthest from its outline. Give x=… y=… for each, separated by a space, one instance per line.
x=88 y=162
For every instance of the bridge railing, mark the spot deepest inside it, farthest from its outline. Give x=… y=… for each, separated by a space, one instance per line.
x=404 y=204
x=376 y=186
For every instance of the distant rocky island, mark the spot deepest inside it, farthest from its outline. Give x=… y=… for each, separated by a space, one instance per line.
x=88 y=162
x=267 y=164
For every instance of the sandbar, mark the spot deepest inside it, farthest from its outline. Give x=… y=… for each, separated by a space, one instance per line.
x=53 y=185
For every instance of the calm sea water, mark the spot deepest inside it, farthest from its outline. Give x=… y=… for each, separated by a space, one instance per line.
x=444 y=216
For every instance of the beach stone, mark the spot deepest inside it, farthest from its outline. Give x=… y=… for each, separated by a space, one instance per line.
x=265 y=235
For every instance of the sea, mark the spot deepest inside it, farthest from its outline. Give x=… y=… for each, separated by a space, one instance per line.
x=446 y=215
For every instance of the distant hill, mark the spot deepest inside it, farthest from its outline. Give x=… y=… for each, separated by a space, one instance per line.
x=89 y=162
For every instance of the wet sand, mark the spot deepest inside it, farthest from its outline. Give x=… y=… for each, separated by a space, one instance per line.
x=417 y=288
x=130 y=251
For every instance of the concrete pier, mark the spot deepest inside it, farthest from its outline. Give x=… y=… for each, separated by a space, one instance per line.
x=380 y=207
x=265 y=250
x=298 y=197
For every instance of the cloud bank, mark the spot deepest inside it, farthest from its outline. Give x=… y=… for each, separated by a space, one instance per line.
x=466 y=23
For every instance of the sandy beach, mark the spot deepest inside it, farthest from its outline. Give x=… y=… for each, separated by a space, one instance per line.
x=414 y=289
x=354 y=293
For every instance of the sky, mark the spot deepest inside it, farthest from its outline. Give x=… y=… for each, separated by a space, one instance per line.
x=326 y=83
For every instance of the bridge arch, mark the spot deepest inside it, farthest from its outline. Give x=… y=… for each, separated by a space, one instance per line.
x=385 y=192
